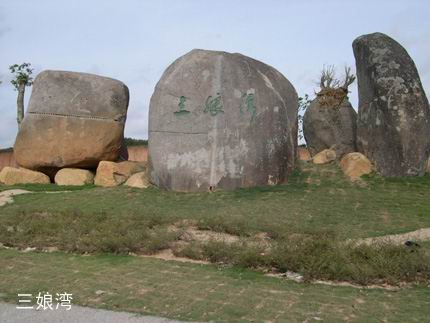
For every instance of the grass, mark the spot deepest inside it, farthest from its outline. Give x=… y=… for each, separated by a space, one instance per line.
x=200 y=292
x=45 y=188
x=306 y=222
x=318 y=197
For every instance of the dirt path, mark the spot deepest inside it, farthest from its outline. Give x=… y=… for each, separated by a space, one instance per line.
x=7 y=196
x=417 y=235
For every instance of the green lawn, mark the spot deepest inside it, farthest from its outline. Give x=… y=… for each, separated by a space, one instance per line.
x=201 y=292
x=318 y=202
x=319 y=198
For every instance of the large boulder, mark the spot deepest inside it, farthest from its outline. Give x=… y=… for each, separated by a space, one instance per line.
x=221 y=120
x=73 y=120
x=12 y=176
x=393 y=116
x=354 y=165
x=330 y=123
x=74 y=176
x=113 y=174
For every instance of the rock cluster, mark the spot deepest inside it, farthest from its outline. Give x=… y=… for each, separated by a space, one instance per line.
x=12 y=176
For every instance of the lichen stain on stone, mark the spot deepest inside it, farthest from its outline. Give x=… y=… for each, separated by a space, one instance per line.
x=198 y=160
x=227 y=161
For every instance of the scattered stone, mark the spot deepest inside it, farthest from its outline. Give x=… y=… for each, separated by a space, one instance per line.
x=100 y=292
x=73 y=120
x=221 y=120
x=330 y=126
x=12 y=176
x=138 y=180
x=50 y=249
x=29 y=249
x=74 y=176
x=354 y=165
x=393 y=128
x=113 y=174
x=324 y=157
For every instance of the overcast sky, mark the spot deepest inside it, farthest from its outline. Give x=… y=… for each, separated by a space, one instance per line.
x=135 y=40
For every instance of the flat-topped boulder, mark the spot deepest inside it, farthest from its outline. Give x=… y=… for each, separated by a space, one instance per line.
x=221 y=120
x=12 y=176
x=73 y=120
x=393 y=128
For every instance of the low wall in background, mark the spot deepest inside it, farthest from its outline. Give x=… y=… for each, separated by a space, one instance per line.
x=138 y=153
x=135 y=153
x=6 y=159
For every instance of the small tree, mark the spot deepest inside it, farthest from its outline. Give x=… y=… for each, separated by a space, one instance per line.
x=22 y=79
x=303 y=105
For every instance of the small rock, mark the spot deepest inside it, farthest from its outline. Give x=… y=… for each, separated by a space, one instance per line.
x=111 y=174
x=324 y=157
x=29 y=249
x=74 y=176
x=12 y=176
x=354 y=165
x=138 y=180
x=51 y=249
x=100 y=292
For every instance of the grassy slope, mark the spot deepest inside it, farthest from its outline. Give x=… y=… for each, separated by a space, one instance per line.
x=200 y=292
x=314 y=200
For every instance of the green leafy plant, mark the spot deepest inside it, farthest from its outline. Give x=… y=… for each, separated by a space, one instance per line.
x=22 y=78
x=303 y=105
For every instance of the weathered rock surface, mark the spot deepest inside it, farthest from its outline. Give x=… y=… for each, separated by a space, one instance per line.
x=12 y=176
x=324 y=157
x=428 y=166
x=138 y=180
x=74 y=176
x=221 y=120
x=354 y=165
x=304 y=154
x=393 y=116
x=73 y=120
x=113 y=174
x=332 y=125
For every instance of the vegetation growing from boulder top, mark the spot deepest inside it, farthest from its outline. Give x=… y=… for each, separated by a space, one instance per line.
x=135 y=142
x=332 y=90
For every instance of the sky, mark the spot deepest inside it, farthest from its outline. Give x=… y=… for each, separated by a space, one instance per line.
x=136 y=40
